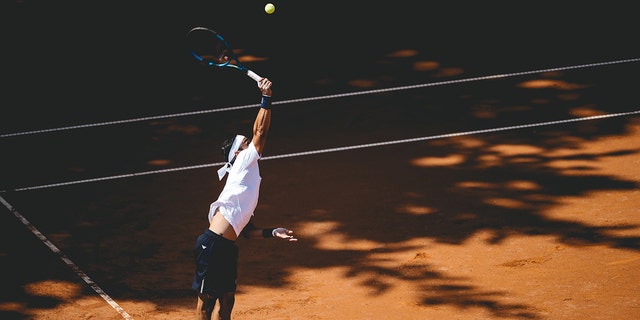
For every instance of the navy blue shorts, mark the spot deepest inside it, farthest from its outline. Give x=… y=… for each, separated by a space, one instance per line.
x=216 y=264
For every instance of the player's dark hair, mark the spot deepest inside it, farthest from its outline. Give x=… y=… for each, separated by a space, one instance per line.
x=226 y=148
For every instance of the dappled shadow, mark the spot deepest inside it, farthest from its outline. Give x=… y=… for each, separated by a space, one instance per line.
x=449 y=190
x=501 y=186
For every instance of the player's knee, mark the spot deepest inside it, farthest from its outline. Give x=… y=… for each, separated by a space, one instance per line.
x=205 y=296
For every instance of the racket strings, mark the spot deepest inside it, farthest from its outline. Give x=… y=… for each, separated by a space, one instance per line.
x=208 y=47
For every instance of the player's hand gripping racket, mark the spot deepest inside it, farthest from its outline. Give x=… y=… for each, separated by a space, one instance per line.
x=210 y=48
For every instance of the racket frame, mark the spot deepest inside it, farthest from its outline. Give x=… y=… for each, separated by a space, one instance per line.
x=227 y=64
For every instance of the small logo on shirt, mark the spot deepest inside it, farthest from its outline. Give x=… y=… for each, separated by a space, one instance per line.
x=204 y=247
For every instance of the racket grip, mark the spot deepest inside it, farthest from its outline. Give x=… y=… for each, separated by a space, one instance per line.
x=254 y=76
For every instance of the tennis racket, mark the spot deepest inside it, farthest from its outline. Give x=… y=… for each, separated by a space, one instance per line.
x=210 y=48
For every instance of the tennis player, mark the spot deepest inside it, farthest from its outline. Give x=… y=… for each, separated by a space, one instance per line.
x=216 y=252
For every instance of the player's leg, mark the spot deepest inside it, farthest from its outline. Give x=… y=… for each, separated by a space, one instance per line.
x=205 y=306
x=200 y=312
x=216 y=311
x=226 y=305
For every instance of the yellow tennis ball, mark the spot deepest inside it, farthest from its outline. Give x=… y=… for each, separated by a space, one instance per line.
x=269 y=8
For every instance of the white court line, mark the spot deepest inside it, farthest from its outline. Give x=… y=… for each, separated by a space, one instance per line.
x=369 y=145
x=66 y=260
x=432 y=84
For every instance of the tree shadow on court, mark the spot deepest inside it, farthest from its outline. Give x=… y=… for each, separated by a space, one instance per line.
x=450 y=190
x=455 y=214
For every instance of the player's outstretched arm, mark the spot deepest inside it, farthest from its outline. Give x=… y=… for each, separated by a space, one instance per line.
x=253 y=232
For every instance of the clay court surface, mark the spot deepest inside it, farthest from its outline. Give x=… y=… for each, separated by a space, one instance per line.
x=418 y=186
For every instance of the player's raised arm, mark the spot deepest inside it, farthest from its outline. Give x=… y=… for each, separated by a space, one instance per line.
x=263 y=119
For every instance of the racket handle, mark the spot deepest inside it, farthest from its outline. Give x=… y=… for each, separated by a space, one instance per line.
x=254 y=76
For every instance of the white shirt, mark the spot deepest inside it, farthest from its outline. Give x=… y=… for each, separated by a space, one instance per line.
x=239 y=198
